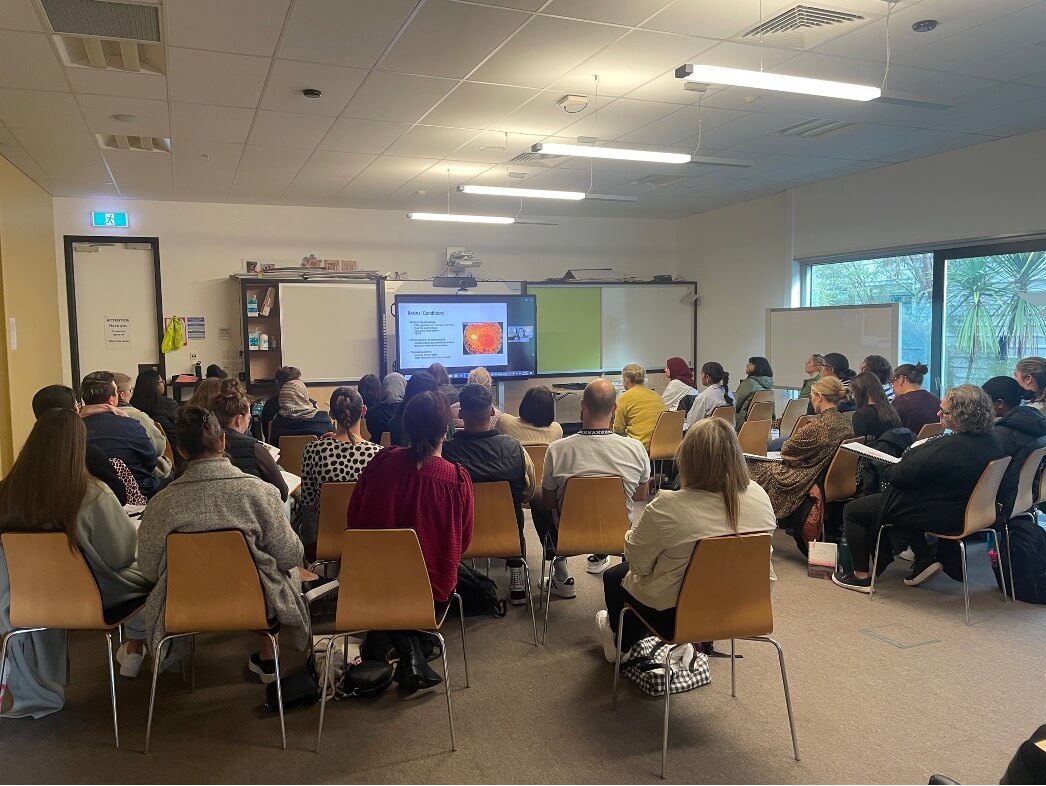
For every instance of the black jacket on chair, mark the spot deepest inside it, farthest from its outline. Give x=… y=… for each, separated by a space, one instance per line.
x=1019 y=433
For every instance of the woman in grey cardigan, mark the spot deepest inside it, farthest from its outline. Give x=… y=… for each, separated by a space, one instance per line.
x=94 y=520
x=211 y=494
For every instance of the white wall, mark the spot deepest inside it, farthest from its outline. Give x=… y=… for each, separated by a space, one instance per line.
x=742 y=256
x=202 y=244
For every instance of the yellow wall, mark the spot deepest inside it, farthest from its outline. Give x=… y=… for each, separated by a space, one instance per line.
x=29 y=294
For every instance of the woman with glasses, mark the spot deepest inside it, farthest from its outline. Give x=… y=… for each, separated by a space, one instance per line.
x=914 y=406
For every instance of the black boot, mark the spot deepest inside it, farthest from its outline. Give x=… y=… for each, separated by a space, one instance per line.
x=412 y=672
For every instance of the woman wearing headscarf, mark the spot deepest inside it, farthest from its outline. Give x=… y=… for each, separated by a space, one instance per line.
x=298 y=415
x=378 y=417
x=681 y=382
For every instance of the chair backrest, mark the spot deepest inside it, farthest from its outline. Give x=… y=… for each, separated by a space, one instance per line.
x=840 y=482
x=495 y=532
x=593 y=518
x=754 y=436
x=386 y=439
x=1026 y=483
x=212 y=583
x=334 y=507
x=168 y=452
x=930 y=430
x=292 y=449
x=384 y=582
x=51 y=585
x=981 y=511
x=794 y=409
x=726 y=412
x=849 y=415
x=726 y=590
x=537 y=457
x=668 y=433
x=803 y=420
x=761 y=410
x=763 y=396
x=364 y=431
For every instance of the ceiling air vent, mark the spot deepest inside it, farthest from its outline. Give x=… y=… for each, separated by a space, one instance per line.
x=145 y=144
x=659 y=180
x=804 y=26
x=813 y=129
x=533 y=159
x=101 y=19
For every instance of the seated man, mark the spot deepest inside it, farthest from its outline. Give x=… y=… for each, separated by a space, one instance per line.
x=595 y=450
x=489 y=456
x=638 y=408
x=124 y=389
x=117 y=435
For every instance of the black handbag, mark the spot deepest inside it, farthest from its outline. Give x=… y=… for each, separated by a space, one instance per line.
x=299 y=690
x=366 y=679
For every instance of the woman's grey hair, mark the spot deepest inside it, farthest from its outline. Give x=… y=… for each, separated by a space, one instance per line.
x=969 y=409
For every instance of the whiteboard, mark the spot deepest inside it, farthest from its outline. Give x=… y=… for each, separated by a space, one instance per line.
x=647 y=324
x=793 y=334
x=392 y=288
x=330 y=331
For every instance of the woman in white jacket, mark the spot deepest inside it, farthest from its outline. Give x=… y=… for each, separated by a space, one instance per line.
x=716 y=497
x=716 y=393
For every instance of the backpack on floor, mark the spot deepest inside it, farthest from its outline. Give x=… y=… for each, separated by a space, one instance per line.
x=479 y=594
x=1027 y=547
x=643 y=667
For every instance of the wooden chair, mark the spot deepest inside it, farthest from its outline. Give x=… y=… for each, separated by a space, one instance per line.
x=593 y=519
x=840 y=481
x=168 y=451
x=537 y=457
x=292 y=449
x=334 y=508
x=763 y=396
x=668 y=433
x=1031 y=471
x=754 y=436
x=386 y=439
x=725 y=595
x=213 y=585
x=760 y=410
x=726 y=412
x=793 y=411
x=803 y=420
x=981 y=514
x=931 y=430
x=849 y=415
x=364 y=431
x=495 y=532
x=385 y=586
x=51 y=586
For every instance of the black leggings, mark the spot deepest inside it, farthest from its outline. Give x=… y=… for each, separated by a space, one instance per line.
x=664 y=622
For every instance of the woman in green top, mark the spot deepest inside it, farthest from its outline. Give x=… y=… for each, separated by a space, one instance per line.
x=760 y=377
x=813 y=369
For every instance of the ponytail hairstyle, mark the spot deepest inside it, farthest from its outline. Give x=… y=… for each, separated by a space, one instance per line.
x=198 y=434
x=1008 y=391
x=346 y=407
x=719 y=376
x=914 y=374
x=840 y=366
x=230 y=401
x=426 y=418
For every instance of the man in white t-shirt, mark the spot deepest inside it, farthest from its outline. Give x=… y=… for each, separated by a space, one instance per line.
x=595 y=450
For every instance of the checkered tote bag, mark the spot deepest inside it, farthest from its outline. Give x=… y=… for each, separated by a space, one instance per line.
x=643 y=666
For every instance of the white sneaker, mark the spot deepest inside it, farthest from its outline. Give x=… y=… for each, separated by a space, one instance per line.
x=561 y=588
x=907 y=555
x=597 y=563
x=130 y=662
x=606 y=636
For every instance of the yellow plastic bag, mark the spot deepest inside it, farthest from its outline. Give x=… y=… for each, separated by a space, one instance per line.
x=173 y=336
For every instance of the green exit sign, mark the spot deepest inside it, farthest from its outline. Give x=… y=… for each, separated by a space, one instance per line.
x=115 y=220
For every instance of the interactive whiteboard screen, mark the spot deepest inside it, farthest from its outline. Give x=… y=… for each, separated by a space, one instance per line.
x=647 y=324
x=330 y=331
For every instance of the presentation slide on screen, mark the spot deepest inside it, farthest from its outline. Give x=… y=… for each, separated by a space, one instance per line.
x=465 y=334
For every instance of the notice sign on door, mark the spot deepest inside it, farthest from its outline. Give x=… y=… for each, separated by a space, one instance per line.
x=118 y=334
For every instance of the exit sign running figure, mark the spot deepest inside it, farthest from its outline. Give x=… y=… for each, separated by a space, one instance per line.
x=115 y=220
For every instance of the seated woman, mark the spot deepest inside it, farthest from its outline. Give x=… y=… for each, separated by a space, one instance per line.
x=716 y=497
x=439 y=373
x=716 y=394
x=838 y=365
x=914 y=406
x=149 y=396
x=298 y=416
x=95 y=523
x=393 y=388
x=1031 y=374
x=813 y=366
x=928 y=491
x=883 y=371
x=339 y=459
x=416 y=487
x=681 y=382
x=478 y=376
x=759 y=377
x=369 y=388
x=1019 y=430
x=204 y=393
x=212 y=494
x=233 y=410
x=536 y=424
x=874 y=414
x=422 y=382
x=807 y=452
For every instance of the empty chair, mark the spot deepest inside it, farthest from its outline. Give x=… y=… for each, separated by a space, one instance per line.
x=668 y=433
x=725 y=412
x=292 y=449
x=794 y=409
x=754 y=436
x=334 y=508
x=763 y=396
x=725 y=595
x=761 y=410
x=930 y=430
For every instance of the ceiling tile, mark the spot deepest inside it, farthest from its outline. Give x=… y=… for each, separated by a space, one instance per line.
x=544 y=50
x=214 y=123
x=215 y=77
x=430 y=141
x=313 y=187
x=289 y=78
x=352 y=135
x=343 y=32
x=260 y=187
x=450 y=39
x=396 y=97
x=117 y=83
x=460 y=172
x=617 y=118
x=140 y=168
x=82 y=191
x=665 y=87
x=329 y=164
x=621 y=12
x=58 y=145
x=39 y=109
x=711 y=20
x=154 y=118
x=199 y=185
x=258 y=160
x=247 y=27
x=675 y=127
x=27 y=61
x=19 y=15
x=519 y=5
x=392 y=169
x=540 y=116
x=83 y=171
x=477 y=105
x=285 y=129
x=490 y=147
x=203 y=157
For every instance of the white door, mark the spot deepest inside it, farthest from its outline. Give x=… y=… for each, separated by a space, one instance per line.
x=115 y=308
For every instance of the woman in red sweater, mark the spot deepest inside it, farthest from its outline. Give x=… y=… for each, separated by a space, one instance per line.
x=416 y=487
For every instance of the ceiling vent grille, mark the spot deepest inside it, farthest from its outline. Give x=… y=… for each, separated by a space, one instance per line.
x=533 y=159
x=102 y=19
x=109 y=54
x=144 y=144
x=814 y=129
x=659 y=180
x=804 y=26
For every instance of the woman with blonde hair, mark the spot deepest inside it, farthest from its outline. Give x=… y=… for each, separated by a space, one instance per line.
x=716 y=497
x=1031 y=374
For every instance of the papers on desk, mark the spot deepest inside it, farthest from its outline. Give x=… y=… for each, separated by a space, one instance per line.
x=773 y=455
x=293 y=481
x=870 y=453
x=273 y=451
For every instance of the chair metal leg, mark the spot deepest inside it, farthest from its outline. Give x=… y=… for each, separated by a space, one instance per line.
x=464 y=649
x=1009 y=561
x=617 y=661
x=664 y=727
x=157 y=661
x=787 y=692
x=279 y=687
x=112 y=684
x=323 y=688
x=446 y=690
x=994 y=535
x=965 y=583
x=530 y=601
x=875 y=560
x=548 y=597
x=733 y=668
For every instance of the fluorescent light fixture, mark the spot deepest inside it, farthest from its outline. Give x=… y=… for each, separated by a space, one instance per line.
x=535 y=193
x=618 y=153
x=463 y=219
x=763 y=80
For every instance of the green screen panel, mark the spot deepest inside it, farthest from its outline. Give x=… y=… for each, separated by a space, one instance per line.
x=570 y=332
